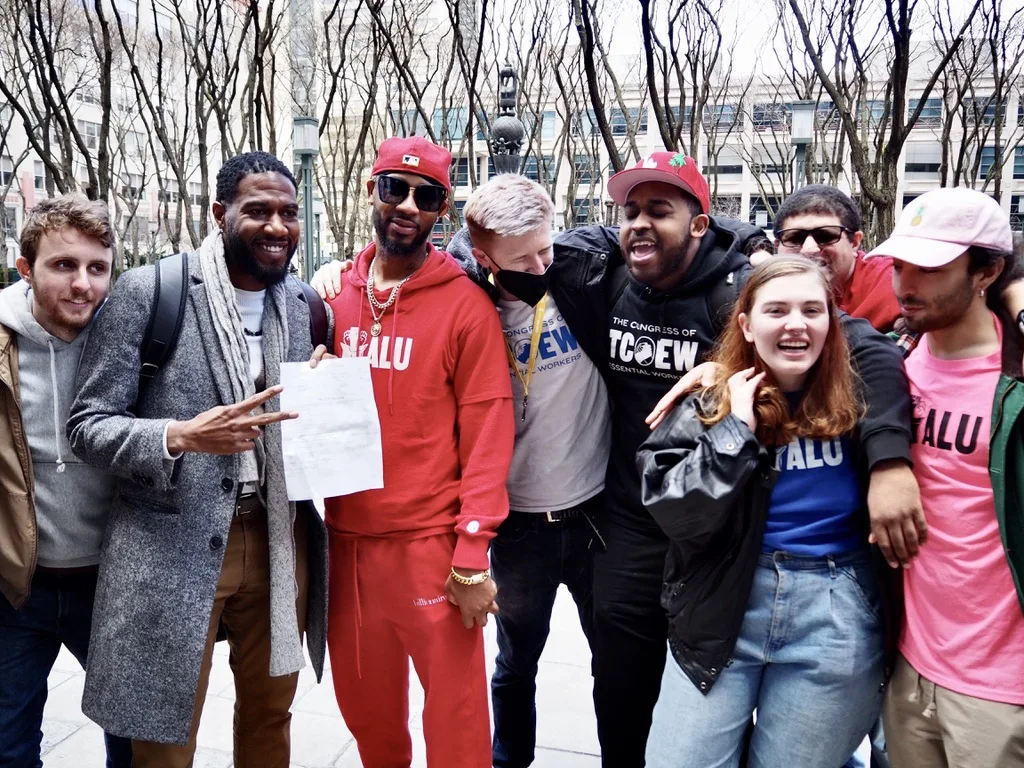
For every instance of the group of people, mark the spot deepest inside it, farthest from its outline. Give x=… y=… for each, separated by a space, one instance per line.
x=782 y=530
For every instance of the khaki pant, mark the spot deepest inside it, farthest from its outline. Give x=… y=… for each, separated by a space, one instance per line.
x=928 y=726
x=262 y=703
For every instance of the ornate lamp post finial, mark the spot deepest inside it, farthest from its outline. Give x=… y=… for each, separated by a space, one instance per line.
x=507 y=131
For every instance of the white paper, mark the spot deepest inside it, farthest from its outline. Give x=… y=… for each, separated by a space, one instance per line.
x=333 y=448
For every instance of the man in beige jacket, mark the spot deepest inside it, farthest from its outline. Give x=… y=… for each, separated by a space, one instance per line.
x=53 y=508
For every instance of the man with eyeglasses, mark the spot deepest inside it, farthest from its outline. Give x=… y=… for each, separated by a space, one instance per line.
x=409 y=566
x=823 y=223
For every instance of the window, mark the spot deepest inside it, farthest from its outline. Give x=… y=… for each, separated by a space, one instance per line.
x=90 y=133
x=726 y=205
x=826 y=115
x=990 y=156
x=1018 y=163
x=87 y=94
x=547 y=127
x=771 y=117
x=128 y=10
x=408 y=123
x=9 y=222
x=687 y=115
x=584 y=124
x=875 y=110
x=133 y=189
x=134 y=143
x=585 y=169
x=481 y=127
x=727 y=163
x=533 y=173
x=491 y=170
x=460 y=172
x=451 y=123
x=40 y=174
x=982 y=110
x=931 y=113
x=1017 y=213
x=923 y=160
x=722 y=116
x=635 y=118
x=169 y=192
x=163 y=23
x=195 y=193
x=769 y=205
x=6 y=170
x=586 y=210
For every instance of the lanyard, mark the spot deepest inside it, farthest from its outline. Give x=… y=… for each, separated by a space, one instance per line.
x=538 y=323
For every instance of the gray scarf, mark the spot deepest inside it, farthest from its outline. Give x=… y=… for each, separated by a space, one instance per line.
x=266 y=464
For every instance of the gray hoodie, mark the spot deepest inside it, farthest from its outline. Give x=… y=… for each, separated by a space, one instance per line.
x=72 y=499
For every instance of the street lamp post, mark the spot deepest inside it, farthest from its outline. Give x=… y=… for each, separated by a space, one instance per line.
x=802 y=134
x=507 y=130
x=306 y=144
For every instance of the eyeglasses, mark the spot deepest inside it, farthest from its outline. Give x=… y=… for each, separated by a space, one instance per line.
x=795 y=238
x=394 y=191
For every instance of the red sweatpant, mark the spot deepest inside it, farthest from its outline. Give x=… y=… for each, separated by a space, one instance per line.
x=387 y=604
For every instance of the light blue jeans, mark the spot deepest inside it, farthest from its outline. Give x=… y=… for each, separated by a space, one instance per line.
x=809 y=659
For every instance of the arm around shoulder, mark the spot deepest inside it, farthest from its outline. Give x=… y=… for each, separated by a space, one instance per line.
x=885 y=427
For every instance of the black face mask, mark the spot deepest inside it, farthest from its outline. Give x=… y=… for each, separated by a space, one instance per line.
x=523 y=285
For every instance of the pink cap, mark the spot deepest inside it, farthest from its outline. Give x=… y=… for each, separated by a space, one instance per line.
x=668 y=167
x=940 y=225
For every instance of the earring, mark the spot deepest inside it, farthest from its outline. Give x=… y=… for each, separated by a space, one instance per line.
x=982 y=293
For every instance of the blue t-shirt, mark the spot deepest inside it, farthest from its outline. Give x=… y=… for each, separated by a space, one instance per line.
x=815 y=501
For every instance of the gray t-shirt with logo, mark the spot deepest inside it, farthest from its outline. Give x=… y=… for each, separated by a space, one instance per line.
x=561 y=449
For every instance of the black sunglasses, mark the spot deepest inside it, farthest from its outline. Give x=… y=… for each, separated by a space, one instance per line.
x=394 y=191
x=795 y=238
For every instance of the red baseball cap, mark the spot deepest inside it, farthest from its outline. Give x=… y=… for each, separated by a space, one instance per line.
x=414 y=154
x=668 y=167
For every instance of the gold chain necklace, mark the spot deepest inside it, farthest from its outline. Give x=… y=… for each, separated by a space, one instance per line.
x=375 y=304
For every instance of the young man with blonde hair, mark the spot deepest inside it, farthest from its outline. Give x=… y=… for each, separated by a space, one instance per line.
x=54 y=508
x=563 y=434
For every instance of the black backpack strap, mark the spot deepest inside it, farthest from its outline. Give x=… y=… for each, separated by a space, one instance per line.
x=317 y=314
x=165 y=318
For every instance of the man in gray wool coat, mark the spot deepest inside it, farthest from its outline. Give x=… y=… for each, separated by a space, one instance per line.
x=201 y=532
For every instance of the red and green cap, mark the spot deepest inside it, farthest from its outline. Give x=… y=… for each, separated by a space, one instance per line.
x=673 y=168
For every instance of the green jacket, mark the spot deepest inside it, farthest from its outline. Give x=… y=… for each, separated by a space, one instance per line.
x=1005 y=465
x=1006 y=470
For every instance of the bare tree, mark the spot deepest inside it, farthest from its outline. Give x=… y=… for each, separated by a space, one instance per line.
x=853 y=52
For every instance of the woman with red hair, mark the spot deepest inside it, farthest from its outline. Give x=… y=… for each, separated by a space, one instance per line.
x=759 y=483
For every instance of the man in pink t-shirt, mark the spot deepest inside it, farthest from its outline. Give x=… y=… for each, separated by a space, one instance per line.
x=956 y=697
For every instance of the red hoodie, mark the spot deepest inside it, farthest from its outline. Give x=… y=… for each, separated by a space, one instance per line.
x=869 y=294
x=444 y=398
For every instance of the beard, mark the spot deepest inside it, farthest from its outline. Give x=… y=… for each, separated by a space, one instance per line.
x=670 y=262
x=396 y=247
x=941 y=312
x=237 y=253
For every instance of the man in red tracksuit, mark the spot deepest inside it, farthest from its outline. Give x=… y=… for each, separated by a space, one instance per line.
x=409 y=568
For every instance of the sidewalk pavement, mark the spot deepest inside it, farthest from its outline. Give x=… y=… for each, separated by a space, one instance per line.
x=566 y=729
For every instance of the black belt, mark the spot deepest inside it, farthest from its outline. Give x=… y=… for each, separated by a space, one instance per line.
x=582 y=512
x=247 y=501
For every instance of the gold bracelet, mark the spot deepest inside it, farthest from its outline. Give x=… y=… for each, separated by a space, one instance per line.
x=471 y=581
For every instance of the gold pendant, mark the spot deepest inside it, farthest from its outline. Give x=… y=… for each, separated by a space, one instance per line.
x=375 y=329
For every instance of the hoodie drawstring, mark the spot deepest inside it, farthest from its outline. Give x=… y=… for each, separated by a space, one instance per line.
x=394 y=344
x=56 y=406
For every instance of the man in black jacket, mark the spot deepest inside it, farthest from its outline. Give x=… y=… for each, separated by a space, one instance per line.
x=646 y=303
